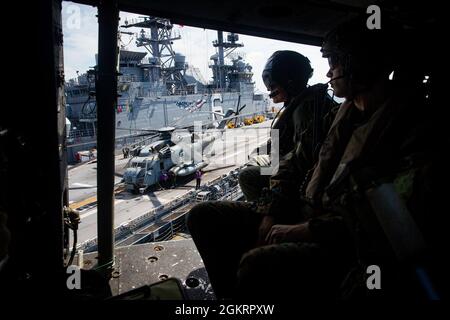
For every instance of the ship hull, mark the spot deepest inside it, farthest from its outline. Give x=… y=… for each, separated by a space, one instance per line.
x=136 y=113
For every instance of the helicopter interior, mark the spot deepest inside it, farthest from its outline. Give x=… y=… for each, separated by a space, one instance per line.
x=36 y=214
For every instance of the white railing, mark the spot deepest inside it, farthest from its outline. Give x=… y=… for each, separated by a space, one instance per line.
x=157 y=214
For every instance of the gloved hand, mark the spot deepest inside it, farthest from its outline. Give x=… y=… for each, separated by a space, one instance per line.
x=280 y=233
x=269 y=206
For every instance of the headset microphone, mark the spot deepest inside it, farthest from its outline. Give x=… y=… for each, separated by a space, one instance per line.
x=336 y=78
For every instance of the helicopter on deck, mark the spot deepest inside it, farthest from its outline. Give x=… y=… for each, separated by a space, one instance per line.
x=162 y=161
x=177 y=152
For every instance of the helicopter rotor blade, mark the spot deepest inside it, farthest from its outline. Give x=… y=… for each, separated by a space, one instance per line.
x=238 y=104
x=218 y=168
x=239 y=111
x=135 y=129
x=128 y=163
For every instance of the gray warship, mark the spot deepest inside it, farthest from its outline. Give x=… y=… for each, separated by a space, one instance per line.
x=157 y=88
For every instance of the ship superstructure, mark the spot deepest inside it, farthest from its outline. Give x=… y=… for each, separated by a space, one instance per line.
x=157 y=88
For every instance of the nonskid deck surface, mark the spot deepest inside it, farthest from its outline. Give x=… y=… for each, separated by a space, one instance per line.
x=145 y=264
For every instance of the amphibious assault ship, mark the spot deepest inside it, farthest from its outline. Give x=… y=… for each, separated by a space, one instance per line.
x=158 y=88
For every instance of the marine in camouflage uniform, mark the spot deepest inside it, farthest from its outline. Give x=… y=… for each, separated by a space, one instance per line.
x=224 y=231
x=374 y=164
x=368 y=204
x=285 y=75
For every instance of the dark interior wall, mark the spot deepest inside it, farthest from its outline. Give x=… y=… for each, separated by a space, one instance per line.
x=305 y=21
x=32 y=151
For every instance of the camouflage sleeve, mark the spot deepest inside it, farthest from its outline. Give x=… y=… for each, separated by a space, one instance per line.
x=294 y=166
x=285 y=180
x=331 y=151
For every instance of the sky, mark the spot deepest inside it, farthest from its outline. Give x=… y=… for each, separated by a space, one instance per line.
x=80 y=30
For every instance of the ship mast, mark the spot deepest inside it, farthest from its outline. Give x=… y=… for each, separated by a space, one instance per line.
x=224 y=48
x=158 y=42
